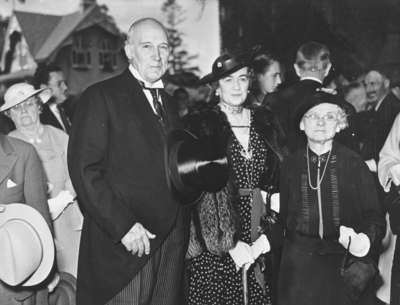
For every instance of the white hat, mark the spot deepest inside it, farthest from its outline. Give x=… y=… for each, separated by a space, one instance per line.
x=20 y=92
x=27 y=247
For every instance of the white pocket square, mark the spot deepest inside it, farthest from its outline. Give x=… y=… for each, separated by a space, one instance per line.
x=10 y=183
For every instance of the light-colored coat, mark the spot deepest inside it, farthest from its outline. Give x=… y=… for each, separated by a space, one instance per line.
x=22 y=180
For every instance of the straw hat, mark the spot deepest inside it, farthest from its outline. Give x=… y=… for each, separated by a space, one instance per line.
x=27 y=248
x=20 y=92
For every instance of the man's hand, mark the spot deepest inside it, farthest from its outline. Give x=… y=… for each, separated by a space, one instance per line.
x=137 y=240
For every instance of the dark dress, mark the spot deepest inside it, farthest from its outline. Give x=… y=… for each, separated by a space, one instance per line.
x=310 y=268
x=213 y=279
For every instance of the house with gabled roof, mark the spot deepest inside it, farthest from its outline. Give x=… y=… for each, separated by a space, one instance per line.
x=86 y=44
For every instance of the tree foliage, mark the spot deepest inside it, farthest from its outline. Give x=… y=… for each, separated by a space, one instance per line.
x=180 y=60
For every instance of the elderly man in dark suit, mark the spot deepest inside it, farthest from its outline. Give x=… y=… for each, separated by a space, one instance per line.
x=384 y=106
x=133 y=236
x=312 y=66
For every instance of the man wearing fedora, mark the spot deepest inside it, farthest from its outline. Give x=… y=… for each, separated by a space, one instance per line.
x=133 y=236
x=22 y=180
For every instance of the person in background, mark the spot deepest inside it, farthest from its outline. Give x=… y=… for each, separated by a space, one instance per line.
x=328 y=206
x=54 y=112
x=383 y=108
x=356 y=94
x=268 y=76
x=134 y=234
x=51 y=145
x=181 y=97
x=23 y=180
x=389 y=177
x=220 y=246
x=312 y=66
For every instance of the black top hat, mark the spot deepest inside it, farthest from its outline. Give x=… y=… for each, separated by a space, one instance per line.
x=313 y=99
x=225 y=65
x=194 y=166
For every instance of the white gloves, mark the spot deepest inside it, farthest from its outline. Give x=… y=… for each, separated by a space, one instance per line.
x=275 y=200
x=372 y=165
x=360 y=242
x=395 y=174
x=260 y=246
x=245 y=255
x=58 y=204
x=242 y=255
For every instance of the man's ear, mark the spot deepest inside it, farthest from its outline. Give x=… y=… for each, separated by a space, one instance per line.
x=328 y=68
x=301 y=125
x=127 y=50
x=386 y=83
x=297 y=69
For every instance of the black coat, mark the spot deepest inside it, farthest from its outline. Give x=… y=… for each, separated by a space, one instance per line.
x=47 y=117
x=309 y=271
x=116 y=161
x=374 y=126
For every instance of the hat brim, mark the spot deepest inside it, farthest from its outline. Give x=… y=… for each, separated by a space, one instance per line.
x=185 y=194
x=18 y=211
x=42 y=95
x=210 y=78
x=310 y=102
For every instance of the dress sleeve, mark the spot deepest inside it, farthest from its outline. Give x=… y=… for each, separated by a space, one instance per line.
x=389 y=156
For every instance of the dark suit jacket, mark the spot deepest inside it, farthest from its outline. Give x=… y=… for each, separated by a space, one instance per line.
x=284 y=103
x=47 y=117
x=116 y=161
x=20 y=164
x=375 y=126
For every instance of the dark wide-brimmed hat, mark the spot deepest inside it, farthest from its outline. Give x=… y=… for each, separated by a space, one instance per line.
x=194 y=166
x=225 y=65
x=314 y=99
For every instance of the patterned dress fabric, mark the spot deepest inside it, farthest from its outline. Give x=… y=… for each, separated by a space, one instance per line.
x=214 y=279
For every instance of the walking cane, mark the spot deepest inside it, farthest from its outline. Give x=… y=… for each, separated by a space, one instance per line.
x=245 y=291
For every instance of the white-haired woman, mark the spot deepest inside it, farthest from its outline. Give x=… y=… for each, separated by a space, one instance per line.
x=23 y=106
x=329 y=207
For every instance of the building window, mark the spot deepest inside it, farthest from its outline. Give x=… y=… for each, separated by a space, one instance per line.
x=81 y=57
x=107 y=55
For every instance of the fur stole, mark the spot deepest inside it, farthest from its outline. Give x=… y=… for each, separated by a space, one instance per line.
x=215 y=223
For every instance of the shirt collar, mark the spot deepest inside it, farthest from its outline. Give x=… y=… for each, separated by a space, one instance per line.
x=311 y=78
x=156 y=85
x=379 y=103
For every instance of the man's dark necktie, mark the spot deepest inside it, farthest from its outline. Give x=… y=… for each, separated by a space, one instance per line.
x=64 y=118
x=156 y=102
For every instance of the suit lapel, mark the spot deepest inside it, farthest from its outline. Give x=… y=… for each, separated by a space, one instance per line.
x=7 y=158
x=145 y=118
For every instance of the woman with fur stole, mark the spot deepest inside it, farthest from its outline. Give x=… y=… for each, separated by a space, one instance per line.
x=227 y=226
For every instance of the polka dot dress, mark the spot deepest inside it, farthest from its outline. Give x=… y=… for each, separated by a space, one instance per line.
x=213 y=280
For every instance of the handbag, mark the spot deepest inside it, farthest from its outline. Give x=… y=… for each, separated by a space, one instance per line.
x=358 y=274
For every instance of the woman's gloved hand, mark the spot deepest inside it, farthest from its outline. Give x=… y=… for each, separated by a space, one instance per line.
x=58 y=204
x=242 y=255
x=360 y=243
x=260 y=246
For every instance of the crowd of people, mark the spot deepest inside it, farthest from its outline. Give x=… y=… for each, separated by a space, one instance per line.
x=263 y=193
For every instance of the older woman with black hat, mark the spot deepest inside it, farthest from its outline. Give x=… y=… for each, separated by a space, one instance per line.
x=330 y=211
x=226 y=235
